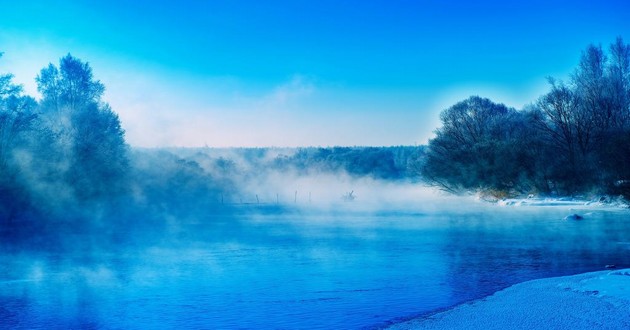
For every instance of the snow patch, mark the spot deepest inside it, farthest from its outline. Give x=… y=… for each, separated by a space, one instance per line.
x=598 y=300
x=601 y=202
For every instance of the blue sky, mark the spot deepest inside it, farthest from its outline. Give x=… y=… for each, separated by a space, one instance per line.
x=261 y=73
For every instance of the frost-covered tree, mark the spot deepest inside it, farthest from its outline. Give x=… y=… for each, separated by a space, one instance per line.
x=562 y=125
x=614 y=153
x=71 y=85
x=561 y=120
x=89 y=136
x=17 y=120
x=575 y=139
x=585 y=122
x=16 y=115
x=619 y=80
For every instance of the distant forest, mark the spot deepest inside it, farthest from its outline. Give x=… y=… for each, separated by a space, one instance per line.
x=65 y=156
x=574 y=140
x=386 y=163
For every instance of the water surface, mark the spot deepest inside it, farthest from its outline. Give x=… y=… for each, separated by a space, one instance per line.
x=301 y=269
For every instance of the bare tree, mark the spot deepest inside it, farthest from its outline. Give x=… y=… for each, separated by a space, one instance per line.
x=619 y=81
x=475 y=148
x=560 y=119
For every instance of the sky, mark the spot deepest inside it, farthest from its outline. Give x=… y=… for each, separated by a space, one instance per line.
x=232 y=73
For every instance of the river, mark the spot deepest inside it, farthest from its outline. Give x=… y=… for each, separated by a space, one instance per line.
x=271 y=268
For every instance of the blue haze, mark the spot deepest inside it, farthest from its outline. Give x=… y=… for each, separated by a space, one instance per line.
x=170 y=252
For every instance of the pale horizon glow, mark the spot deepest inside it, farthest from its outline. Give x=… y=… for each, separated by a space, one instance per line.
x=228 y=87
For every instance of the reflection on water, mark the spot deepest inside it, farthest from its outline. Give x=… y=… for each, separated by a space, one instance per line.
x=297 y=270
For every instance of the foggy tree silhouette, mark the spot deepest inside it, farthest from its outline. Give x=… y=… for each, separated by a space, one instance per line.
x=474 y=148
x=17 y=117
x=580 y=132
x=89 y=133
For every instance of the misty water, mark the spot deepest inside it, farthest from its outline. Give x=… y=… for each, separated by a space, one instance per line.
x=270 y=267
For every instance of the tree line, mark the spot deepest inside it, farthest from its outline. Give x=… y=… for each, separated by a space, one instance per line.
x=65 y=154
x=573 y=140
x=64 y=157
x=386 y=163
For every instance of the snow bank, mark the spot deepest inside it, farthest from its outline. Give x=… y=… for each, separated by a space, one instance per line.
x=599 y=300
x=566 y=201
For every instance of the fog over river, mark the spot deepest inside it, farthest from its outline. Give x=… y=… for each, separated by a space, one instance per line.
x=301 y=265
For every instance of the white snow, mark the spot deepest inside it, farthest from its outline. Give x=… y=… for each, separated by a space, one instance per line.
x=564 y=201
x=598 y=300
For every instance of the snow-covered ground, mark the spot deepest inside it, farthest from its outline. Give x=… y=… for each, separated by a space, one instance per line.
x=598 y=300
x=616 y=202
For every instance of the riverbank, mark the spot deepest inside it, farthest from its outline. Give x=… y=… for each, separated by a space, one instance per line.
x=598 y=202
x=597 y=300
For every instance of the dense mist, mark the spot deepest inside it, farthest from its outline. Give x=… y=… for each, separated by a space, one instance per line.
x=71 y=181
x=66 y=165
